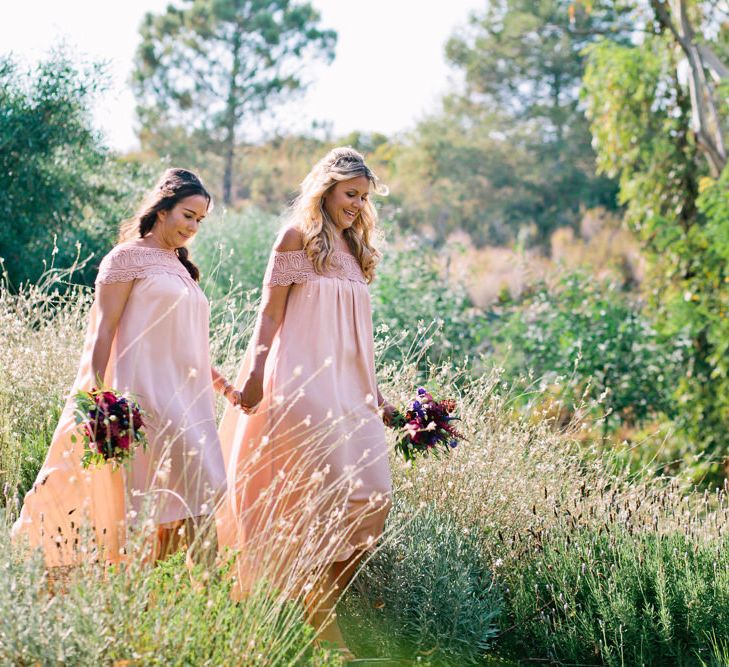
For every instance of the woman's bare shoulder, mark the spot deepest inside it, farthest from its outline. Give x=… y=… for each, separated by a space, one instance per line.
x=290 y=239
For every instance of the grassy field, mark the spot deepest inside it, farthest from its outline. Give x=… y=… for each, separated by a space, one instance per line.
x=524 y=545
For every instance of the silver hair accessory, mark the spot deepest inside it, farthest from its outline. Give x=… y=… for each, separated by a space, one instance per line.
x=341 y=160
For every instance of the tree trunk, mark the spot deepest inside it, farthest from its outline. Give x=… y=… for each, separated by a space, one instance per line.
x=705 y=117
x=228 y=171
x=231 y=121
x=556 y=91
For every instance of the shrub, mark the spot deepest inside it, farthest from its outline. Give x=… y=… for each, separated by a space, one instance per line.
x=617 y=597
x=597 y=342
x=143 y=615
x=432 y=316
x=232 y=250
x=425 y=592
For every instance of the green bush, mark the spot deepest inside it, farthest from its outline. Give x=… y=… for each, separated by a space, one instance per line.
x=232 y=250
x=431 y=317
x=594 y=341
x=425 y=592
x=58 y=178
x=620 y=598
x=698 y=309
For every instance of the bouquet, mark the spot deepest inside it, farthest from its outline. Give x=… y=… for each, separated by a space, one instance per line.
x=426 y=427
x=111 y=426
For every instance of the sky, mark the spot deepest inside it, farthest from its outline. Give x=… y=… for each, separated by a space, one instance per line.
x=388 y=73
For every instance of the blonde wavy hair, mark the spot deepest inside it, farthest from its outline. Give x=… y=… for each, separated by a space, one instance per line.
x=309 y=216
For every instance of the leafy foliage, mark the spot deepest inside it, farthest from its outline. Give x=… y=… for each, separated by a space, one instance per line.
x=598 y=342
x=641 y=120
x=619 y=598
x=232 y=250
x=58 y=179
x=429 y=318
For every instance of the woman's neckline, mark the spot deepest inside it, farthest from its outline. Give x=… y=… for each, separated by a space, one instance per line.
x=336 y=252
x=135 y=244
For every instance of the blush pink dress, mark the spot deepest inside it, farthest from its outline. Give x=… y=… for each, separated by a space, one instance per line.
x=308 y=474
x=160 y=355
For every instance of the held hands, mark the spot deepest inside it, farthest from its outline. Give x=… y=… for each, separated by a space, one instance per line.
x=234 y=397
x=251 y=394
x=230 y=393
x=248 y=398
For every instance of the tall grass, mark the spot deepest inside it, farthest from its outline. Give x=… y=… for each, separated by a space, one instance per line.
x=137 y=615
x=41 y=337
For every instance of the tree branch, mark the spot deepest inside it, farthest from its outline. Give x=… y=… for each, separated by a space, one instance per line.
x=716 y=68
x=705 y=117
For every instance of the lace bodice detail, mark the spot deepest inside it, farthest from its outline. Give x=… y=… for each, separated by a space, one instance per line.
x=129 y=262
x=294 y=267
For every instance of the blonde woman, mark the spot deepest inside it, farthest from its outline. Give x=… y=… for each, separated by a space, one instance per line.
x=147 y=334
x=308 y=475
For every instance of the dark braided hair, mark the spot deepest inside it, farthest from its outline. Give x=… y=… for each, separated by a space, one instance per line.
x=174 y=185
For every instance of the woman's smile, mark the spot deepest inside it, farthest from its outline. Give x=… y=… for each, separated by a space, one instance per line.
x=345 y=200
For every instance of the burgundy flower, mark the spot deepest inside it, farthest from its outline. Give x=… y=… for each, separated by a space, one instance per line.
x=105 y=418
x=114 y=429
x=109 y=397
x=123 y=441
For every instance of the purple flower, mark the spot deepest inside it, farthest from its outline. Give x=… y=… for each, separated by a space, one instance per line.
x=453 y=444
x=421 y=391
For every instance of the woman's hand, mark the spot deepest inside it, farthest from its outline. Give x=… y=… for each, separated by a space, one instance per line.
x=233 y=395
x=388 y=412
x=252 y=392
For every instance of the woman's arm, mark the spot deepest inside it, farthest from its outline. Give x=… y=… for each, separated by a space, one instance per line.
x=270 y=316
x=111 y=299
x=222 y=386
